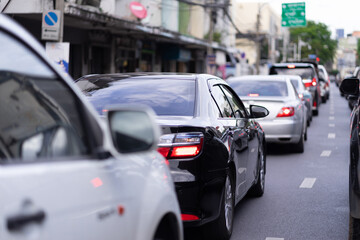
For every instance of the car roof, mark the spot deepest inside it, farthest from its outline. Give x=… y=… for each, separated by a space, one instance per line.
x=143 y=75
x=297 y=64
x=260 y=77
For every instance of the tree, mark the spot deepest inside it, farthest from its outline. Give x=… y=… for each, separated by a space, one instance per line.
x=318 y=36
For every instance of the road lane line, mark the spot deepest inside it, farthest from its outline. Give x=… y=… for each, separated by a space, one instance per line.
x=308 y=183
x=332 y=135
x=325 y=153
x=272 y=238
x=331 y=118
x=331 y=125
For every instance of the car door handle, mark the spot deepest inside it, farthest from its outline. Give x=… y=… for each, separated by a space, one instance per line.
x=16 y=222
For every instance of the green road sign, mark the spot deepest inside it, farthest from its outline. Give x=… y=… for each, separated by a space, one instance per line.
x=293 y=15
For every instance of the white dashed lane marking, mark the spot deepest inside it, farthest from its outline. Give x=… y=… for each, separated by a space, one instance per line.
x=272 y=238
x=331 y=118
x=332 y=135
x=308 y=183
x=325 y=153
x=331 y=125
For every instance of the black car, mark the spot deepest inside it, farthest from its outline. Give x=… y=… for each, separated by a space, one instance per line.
x=350 y=86
x=215 y=148
x=353 y=100
x=309 y=74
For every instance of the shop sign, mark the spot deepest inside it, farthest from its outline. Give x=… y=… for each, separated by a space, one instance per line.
x=59 y=53
x=138 y=10
x=211 y=60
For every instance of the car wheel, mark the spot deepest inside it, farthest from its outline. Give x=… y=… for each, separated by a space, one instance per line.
x=221 y=228
x=323 y=99
x=258 y=189
x=354 y=228
x=299 y=147
x=316 y=112
x=305 y=135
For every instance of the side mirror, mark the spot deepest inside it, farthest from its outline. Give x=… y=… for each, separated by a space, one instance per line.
x=258 y=111
x=133 y=128
x=350 y=86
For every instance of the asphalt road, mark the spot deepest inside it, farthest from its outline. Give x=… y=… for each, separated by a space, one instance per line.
x=306 y=195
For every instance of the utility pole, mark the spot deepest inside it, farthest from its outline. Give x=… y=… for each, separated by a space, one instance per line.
x=60 y=5
x=258 y=42
x=210 y=40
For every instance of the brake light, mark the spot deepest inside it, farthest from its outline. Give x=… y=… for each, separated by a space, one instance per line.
x=286 y=112
x=291 y=66
x=189 y=217
x=253 y=94
x=307 y=84
x=314 y=104
x=164 y=151
x=313 y=82
x=185 y=151
x=181 y=145
x=301 y=96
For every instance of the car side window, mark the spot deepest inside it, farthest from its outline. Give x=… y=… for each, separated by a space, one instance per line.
x=222 y=102
x=40 y=115
x=236 y=105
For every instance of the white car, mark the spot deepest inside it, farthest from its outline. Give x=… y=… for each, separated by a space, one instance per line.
x=324 y=83
x=64 y=173
x=286 y=122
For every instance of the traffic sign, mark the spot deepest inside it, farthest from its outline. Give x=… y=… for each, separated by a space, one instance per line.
x=50 y=29
x=293 y=14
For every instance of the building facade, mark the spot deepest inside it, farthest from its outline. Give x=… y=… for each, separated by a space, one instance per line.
x=106 y=36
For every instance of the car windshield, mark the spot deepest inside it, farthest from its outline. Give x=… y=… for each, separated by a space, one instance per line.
x=172 y=97
x=304 y=73
x=254 y=88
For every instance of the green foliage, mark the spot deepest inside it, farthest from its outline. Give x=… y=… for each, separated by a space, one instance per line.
x=318 y=36
x=216 y=37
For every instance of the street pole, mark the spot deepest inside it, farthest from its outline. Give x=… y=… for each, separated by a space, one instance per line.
x=60 y=5
x=258 y=42
x=299 y=48
x=210 y=40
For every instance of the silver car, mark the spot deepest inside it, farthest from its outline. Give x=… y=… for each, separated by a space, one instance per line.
x=286 y=123
x=304 y=95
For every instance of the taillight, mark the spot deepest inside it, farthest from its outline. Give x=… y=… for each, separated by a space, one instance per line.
x=181 y=145
x=291 y=66
x=301 y=96
x=309 y=83
x=313 y=82
x=286 y=112
x=189 y=217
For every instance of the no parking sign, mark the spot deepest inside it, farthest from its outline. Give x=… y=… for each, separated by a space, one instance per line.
x=50 y=29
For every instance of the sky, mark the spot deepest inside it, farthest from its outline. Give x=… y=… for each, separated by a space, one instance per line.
x=334 y=13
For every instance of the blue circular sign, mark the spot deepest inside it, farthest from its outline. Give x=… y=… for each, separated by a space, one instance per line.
x=51 y=18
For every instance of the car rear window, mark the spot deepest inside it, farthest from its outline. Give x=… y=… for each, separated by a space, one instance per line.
x=254 y=88
x=173 y=97
x=303 y=72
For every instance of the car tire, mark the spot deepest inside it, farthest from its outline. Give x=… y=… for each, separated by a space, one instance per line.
x=299 y=147
x=221 y=228
x=257 y=190
x=316 y=112
x=354 y=228
x=323 y=99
